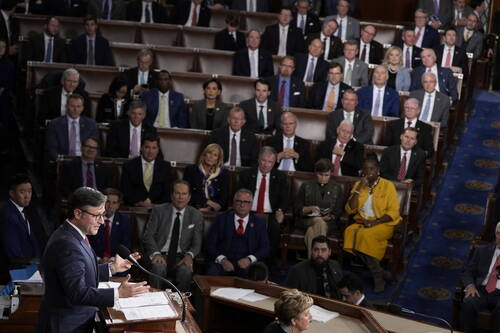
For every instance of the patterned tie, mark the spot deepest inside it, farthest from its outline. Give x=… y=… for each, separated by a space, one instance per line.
x=378 y=102
x=194 y=19
x=262 y=195
x=427 y=108
x=107 y=238
x=330 y=103
x=447 y=62
x=407 y=58
x=348 y=75
x=174 y=242
x=240 y=231
x=90 y=176
x=72 y=138
x=402 y=169
x=310 y=71
x=491 y=285
x=134 y=143
x=147 y=177
x=336 y=163
x=287 y=162
x=232 y=158
x=90 y=53
x=48 y=52
x=363 y=54
x=262 y=122
x=148 y=13
x=281 y=96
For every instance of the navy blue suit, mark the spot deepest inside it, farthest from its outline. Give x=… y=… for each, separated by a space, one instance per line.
x=177 y=109
x=391 y=101
x=71 y=279
x=121 y=233
x=102 y=51
x=446 y=81
x=431 y=39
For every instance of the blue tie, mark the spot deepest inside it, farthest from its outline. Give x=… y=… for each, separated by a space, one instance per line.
x=287 y=162
x=48 y=53
x=427 y=108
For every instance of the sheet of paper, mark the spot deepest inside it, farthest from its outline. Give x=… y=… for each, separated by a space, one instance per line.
x=322 y=315
x=108 y=284
x=35 y=278
x=232 y=293
x=254 y=297
x=149 y=312
x=146 y=299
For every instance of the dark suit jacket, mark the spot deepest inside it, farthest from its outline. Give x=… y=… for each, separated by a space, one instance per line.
x=394 y=129
x=131 y=76
x=312 y=25
x=301 y=146
x=181 y=11
x=294 y=40
x=50 y=105
x=431 y=39
x=134 y=12
x=72 y=177
x=132 y=184
x=459 y=59
x=102 y=51
x=296 y=94
x=416 y=60
x=262 y=5
x=391 y=161
x=118 y=9
x=248 y=142
x=71 y=278
x=351 y=163
x=194 y=176
x=376 y=52
x=224 y=41
x=78 y=8
x=390 y=107
x=278 y=187
x=440 y=110
x=446 y=81
x=198 y=115
x=118 y=139
x=121 y=233
x=252 y=113
x=219 y=240
x=478 y=266
x=336 y=45
x=274 y=327
x=318 y=91
x=320 y=72
x=35 y=49
x=14 y=30
x=241 y=63
x=363 y=125
x=106 y=109
x=177 y=109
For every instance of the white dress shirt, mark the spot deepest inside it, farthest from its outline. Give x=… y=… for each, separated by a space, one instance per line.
x=492 y=265
x=413 y=123
x=254 y=64
x=431 y=107
x=336 y=88
x=78 y=149
x=264 y=111
x=190 y=18
x=380 y=111
x=361 y=46
x=267 y=203
x=418 y=42
x=335 y=156
x=7 y=24
x=143 y=163
x=308 y=65
x=406 y=47
x=165 y=114
x=326 y=45
x=166 y=246
x=140 y=74
x=408 y=157
x=46 y=39
x=285 y=145
x=245 y=219
x=283 y=34
x=299 y=19
x=349 y=116
x=251 y=5
x=145 y=5
x=131 y=133
x=20 y=209
x=445 y=55
x=238 y=155
x=342 y=21
x=64 y=101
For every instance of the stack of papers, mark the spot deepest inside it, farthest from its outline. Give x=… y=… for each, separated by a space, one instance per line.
x=234 y=294
x=146 y=306
x=146 y=299
x=149 y=312
x=108 y=284
x=322 y=315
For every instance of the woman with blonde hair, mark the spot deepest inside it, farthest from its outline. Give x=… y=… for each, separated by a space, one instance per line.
x=209 y=180
x=399 y=76
x=292 y=313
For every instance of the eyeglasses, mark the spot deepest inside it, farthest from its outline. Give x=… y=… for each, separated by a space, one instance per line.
x=242 y=202
x=91 y=147
x=95 y=216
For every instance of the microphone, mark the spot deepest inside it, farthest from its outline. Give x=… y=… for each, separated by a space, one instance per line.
x=398 y=310
x=124 y=252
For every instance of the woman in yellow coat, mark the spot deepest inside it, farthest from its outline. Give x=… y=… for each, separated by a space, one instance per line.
x=375 y=204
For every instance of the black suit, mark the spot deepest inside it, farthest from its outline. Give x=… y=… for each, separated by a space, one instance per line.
x=134 y=12
x=416 y=60
x=459 y=59
x=14 y=30
x=294 y=40
x=50 y=106
x=394 y=129
x=106 y=109
x=224 y=41
x=362 y=121
x=354 y=155
x=248 y=144
x=241 y=63
x=312 y=24
x=300 y=146
x=252 y=113
x=364 y=303
x=391 y=161
x=318 y=91
x=336 y=45
x=132 y=185
x=376 y=52
x=131 y=74
x=72 y=177
x=102 y=51
x=320 y=71
x=181 y=11
x=35 y=49
x=296 y=94
x=118 y=139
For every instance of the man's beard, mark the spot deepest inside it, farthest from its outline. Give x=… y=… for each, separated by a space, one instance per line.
x=319 y=263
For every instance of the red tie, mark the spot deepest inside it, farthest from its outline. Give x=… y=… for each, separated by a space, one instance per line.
x=336 y=164
x=194 y=19
x=107 y=239
x=491 y=286
x=448 y=59
x=86 y=240
x=240 y=231
x=281 y=97
x=262 y=195
x=417 y=37
x=409 y=124
x=429 y=70
x=402 y=169
x=90 y=177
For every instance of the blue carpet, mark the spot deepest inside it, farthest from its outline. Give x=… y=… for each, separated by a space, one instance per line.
x=436 y=263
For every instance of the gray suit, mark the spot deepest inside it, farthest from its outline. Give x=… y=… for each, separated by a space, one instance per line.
x=118 y=9
x=198 y=115
x=441 y=108
x=445 y=10
x=363 y=125
x=473 y=45
x=353 y=29
x=159 y=229
x=359 y=76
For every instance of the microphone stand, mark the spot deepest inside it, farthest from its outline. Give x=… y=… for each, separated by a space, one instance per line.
x=408 y=311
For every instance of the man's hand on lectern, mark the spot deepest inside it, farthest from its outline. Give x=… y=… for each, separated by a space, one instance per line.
x=127 y=289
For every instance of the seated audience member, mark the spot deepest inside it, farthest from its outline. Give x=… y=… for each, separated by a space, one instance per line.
x=116 y=230
x=395 y=128
x=230 y=38
x=258 y=271
x=237 y=142
x=311 y=67
x=332 y=45
x=165 y=107
x=399 y=76
x=460 y=13
x=146 y=179
x=451 y=56
x=191 y=13
x=480 y=278
x=470 y=38
x=435 y=105
x=446 y=82
x=9 y=31
x=114 y=104
x=352 y=291
x=142 y=77
x=293 y=151
x=480 y=9
x=209 y=180
x=54 y=100
x=318 y=204
x=47 y=46
x=286 y=89
x=66 y=133
x=404 y=162
x=172 y=238
x=361 y=119
x=107 y=9
x=348 y=25
x=209 y=113
x=125 y=136
x=91 y=48
x=283 y=38
x=292 y=313
x=261 y=113
x=440 y=12
x=425 y=35
x=330 y=7
x=252 y=60
x=355 y=71
x=411 y=52
x=85 y=170
x=374 y=204
x=304 y=19
x=237 y=238
x=327 y=95
x=74 y=8
x=378 y=98
x=345 y=153
x=251 y=6
x=319 y=274
x=146 y=11
x=270 y=192
x=371 y=51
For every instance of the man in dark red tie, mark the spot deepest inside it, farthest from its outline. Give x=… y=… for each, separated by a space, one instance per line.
x=287 y=90
x=482 y=286
x=237 y=239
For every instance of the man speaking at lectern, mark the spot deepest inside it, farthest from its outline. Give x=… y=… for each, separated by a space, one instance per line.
x=71 y=272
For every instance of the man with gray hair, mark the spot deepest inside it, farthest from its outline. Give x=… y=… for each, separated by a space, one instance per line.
x=143 y=76
x=71 y=272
